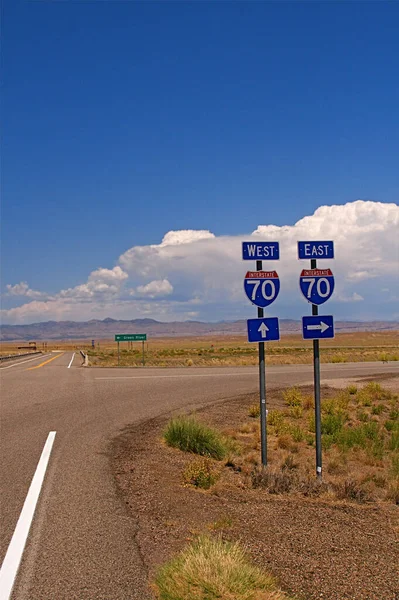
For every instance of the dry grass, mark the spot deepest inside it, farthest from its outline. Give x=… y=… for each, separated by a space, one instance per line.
x=360 y=448
x=230 y=350
x=211 y=569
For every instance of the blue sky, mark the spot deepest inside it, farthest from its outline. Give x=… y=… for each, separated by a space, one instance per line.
x=127 y=120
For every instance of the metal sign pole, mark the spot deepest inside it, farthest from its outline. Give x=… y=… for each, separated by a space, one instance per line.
x=317 y=403
x=143 y=354
x=118 y=354
x=262 y=388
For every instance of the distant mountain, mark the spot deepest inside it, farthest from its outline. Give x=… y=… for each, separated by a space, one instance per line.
x=107 y=328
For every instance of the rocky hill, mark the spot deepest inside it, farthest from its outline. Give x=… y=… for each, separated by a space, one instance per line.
x=107 y=328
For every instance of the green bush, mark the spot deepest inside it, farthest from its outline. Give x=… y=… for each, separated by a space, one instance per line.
x=189 y=435
x=297 y=433
x=364 y=436
x=331 y=424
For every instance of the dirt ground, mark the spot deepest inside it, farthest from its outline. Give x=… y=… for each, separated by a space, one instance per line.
x=317 y=548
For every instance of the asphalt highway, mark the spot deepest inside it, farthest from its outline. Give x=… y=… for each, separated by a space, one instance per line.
x=81 y=543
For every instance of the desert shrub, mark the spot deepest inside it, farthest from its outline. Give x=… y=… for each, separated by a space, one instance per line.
x=254 y=411
x=395 y=465
x=394 y=414
x=389 y=425
x=297 y=433
x=361 y=436
x=327 y=441
x=189 y=435
x=284 y=441
x=336 y=467
x=377 y=409
x=393 y=443
x=393 y=491
x=200 y=473
x=210 y=568
x=293 y=397
x=277 y=419
x=352 y=490
x=363 y=416
x=289 y=464
x=308 y=403
x=374 y=392
x=275 y=482
x=312 y=487
x=352 y=389
x=296 y=412
x=338 y=358
x=331 y=424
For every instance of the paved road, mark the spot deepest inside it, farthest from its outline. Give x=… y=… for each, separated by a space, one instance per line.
x=82 y=543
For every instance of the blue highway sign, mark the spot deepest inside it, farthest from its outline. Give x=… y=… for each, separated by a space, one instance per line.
x=263 y=330
x=318 y=327
x=260 y=251
x=261 y=287
x=315 y=250
x=317 y=285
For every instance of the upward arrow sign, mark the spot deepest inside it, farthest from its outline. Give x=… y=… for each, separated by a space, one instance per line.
x=263 y=330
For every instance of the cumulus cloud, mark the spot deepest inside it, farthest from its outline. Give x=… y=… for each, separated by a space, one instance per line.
x=99 y=283
x=23 y=289
x=197 y=270
x=156 y=289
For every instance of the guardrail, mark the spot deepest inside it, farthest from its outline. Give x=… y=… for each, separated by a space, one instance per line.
x=11 y=356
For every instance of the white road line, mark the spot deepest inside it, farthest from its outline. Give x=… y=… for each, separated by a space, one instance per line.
x=73 y=356
x=12 y=559
x=24 y=361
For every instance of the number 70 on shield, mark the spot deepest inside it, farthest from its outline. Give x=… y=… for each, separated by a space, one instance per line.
x=262 y=287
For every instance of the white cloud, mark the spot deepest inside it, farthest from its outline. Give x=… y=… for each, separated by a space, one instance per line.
x=185 y=236
x=156 y=288
x=100 y=282
x=23 y=289
x=191 y=268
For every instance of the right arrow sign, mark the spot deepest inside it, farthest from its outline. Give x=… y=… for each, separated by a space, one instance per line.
x=318 y=327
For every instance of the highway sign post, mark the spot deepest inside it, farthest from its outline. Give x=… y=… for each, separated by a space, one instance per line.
x=131 y=337
x=317 y=285
x=262 y=288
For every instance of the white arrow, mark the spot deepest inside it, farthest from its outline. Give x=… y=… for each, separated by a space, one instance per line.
x=323 y=327
x=263 y=330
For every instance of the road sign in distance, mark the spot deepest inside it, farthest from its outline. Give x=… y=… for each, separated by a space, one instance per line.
x=315 y=250
x=260 y=251
x=263 y=330
x=262 y=287
x=318 y=327
x=317 y=285
x=130 y=337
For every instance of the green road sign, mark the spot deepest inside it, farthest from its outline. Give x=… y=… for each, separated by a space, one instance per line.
x=130 y=337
